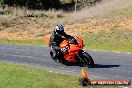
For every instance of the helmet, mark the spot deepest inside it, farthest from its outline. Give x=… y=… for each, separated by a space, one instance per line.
x=59 y=29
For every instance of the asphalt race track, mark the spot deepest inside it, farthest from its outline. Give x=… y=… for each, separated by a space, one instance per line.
x=108 y=65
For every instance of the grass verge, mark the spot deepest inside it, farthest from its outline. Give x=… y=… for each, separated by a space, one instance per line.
x=18 y=76
x=113 y=40
x=23 y=42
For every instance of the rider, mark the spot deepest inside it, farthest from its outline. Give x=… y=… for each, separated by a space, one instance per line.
x=56 y=38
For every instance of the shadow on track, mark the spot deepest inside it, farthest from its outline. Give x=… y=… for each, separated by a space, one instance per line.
x=105 y=66
x=95 y=65
x=75 y=64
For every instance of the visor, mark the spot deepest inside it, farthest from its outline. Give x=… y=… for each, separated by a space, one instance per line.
x=60 y=32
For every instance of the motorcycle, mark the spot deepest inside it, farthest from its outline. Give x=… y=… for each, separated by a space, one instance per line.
x=71 y=51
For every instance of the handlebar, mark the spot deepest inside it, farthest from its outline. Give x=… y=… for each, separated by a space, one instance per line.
x=72 y=40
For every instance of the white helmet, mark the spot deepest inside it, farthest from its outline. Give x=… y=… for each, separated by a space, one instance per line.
x=59 y=29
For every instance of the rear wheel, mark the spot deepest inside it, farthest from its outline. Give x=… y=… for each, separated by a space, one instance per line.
x=87 y=59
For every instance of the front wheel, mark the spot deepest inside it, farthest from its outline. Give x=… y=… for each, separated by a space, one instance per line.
x=87 y=59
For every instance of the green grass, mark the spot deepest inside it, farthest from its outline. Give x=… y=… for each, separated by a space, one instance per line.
x=18 y=76
x=113 y=40
x=23 y=42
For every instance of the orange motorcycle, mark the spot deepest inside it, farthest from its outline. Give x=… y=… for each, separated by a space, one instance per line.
x=72 y=52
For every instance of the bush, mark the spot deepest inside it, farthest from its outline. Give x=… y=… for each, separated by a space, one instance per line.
x=39 y=15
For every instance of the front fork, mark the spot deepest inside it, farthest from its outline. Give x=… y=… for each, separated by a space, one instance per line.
x=79 y=56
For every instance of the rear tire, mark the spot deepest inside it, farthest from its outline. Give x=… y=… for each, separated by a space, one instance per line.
x=88 y=61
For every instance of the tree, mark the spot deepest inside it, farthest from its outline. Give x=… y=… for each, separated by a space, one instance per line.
x=49 y=4
x=34 y=4
x=1 y=3
x=85 y=3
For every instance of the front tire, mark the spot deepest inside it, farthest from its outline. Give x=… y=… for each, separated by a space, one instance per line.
x=87 y=59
